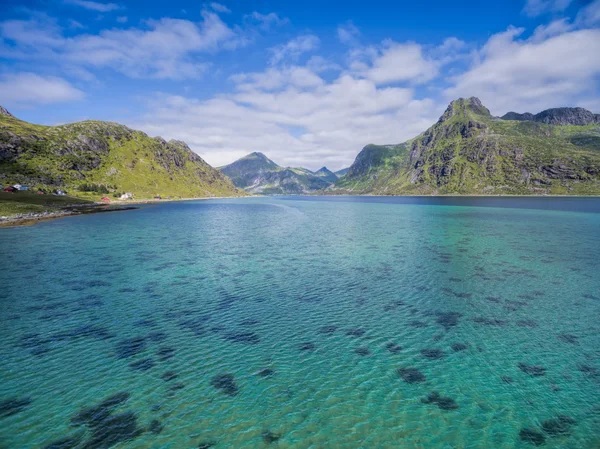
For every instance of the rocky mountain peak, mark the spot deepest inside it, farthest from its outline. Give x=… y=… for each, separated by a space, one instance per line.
x=4 y=111
x=465 y=107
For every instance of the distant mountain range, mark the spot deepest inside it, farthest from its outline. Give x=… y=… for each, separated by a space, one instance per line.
x=468 y=151
x=256 y=173
x=93 y=158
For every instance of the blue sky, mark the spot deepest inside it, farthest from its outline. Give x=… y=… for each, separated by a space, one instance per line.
x=307 y=83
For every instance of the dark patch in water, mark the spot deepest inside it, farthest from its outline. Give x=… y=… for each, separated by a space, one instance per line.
x=142 y=365
x=443 y=402
x=266 y=372
x=176 y=386
x=65 y=443
x=165 y=353
x=206 y=444
x=270 y=437
x=569 y=338
x=526 y=323
x=145 y=323
x=130 y=347
x=113 y=430
x=393 y=347
x=327 y=330
x=226 y=383
x=357 y=332
x=196 y=325
x=463 y=295
x=507 y=379
x=411 y=375
x=560 y=425
x=532 y=436
x=155 y=427
x=243 y=337
x=448 y=319
x=12 y=406
x=306 y=346
x=489 y=321
x=532 y=370
x=493 y=299
x=169 y=376
x=100 y=412
x=432 y=353
x=363 y=351
x=457 y=347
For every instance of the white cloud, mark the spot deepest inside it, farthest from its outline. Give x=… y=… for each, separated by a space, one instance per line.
x=294 y=48
x=590 y=15
x=165 y=48
x=533 y=74
x=122 y=19
x=348 y=33
x=401 y=63
x=27 y=88
x=266 y=21
x=535 y=8
x=220 y=8
x=294 y=116
x=94 y=6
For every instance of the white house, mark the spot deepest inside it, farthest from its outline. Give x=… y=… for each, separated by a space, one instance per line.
x=127 y=196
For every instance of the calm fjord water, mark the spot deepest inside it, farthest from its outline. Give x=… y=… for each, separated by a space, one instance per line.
x=305 y=323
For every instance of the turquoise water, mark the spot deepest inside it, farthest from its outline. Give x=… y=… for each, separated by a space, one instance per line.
x=305 y=323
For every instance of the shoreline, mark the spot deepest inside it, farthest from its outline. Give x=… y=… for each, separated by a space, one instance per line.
x=32 y=218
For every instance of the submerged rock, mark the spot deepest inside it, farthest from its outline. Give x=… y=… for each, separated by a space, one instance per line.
x=130 y=347
x=457 y=347
x=306 y=346
x=142 y=365
x=411 y=375
x=443 y=402
x=363 y=350
x=327 y=330
x=98 y=413
x=358 y=332
x=432 y=353
x=532 y=370
x=266 y=372
x=448 y=319
x=113 y=430
x=557 y=426
x=12 y=406
x=226 y=383
x=270 y=437
x=65 y=443
x=532 y=436
x=393 y=347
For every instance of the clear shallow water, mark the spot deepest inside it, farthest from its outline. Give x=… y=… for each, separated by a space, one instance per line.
x=298 y=300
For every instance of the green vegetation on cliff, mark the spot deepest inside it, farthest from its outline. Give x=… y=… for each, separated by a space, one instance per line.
x=90 y=158
x=468 y=151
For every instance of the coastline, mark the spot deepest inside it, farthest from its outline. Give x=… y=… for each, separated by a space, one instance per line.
x=32 y=218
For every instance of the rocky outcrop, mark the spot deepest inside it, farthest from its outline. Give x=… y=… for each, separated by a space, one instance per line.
x=557 y=116
x=4 y=111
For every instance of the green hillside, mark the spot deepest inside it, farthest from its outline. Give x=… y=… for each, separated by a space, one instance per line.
x=468 y=151
x=93 y=158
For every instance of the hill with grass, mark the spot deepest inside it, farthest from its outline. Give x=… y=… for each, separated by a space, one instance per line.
x=256 y=173
x=93 y=158
x=468 y=151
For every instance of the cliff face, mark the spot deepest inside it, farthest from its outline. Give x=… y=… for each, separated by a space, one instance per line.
x=94 y=156
x=470 y=152
x=255 y=173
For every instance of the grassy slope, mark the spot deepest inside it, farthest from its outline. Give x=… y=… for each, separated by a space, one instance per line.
x=484 y=163
x=27 y=202
x=129 y=163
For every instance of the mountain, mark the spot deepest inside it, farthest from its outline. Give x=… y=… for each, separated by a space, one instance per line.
x=342 y=172
x=92 y=158
x=326 y=174
x=468 y=151
x=558 y=116
x=256 y=173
